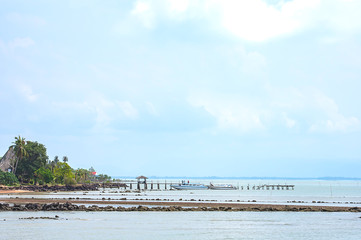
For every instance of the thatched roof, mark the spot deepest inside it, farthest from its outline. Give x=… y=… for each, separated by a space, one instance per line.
x=141 y=177
x=5 y=162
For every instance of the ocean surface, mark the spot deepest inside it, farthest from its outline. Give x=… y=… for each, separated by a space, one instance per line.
x=199 y=225
x=306 y=192
x=181 y=225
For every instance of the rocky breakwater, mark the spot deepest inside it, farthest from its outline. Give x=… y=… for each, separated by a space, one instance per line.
x=68 y=206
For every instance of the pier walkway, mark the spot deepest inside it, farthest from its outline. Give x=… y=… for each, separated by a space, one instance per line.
x=166 y=185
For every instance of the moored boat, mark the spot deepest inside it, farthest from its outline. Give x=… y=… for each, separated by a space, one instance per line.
x=189 y=186
x=222 y=187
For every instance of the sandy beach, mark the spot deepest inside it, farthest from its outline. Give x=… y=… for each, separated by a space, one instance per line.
x=11 y=191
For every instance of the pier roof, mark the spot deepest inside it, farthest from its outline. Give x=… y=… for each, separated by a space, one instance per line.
x=141 y=177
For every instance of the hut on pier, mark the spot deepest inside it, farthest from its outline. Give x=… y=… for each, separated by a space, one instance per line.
x=142 y=180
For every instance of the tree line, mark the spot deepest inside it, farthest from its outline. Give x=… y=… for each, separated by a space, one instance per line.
x=31 y=165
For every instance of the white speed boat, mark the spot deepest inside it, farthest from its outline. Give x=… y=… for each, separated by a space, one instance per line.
x=222 y=187
x=189 y=186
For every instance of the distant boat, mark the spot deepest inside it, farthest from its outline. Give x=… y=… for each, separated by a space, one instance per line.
x=222 y=187
x=189 y=186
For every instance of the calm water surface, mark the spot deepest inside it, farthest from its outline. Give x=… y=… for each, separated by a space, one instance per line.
x=339 y=193
x=198 y=225
x=181 y=225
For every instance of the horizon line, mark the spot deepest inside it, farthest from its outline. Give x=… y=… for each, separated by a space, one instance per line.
x=271 y=178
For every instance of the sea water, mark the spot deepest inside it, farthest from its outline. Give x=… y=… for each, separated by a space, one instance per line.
x=306 y=192
x=198 y=225
x=181 y=225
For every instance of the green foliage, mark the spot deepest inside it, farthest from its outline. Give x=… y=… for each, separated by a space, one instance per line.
x=20 y=151
x=82 y=175
x=36 y=158
x=92 y=174
x=69 y=181
x=103 y=178
x=31 y=164
x=63 y=171
x=7 y=178
x=44 y=175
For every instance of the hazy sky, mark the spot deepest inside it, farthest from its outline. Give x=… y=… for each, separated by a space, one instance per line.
x=186 y=87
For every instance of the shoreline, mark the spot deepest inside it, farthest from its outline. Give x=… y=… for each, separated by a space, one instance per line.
x=161 y=206
x=64 y=188
x=11 y=191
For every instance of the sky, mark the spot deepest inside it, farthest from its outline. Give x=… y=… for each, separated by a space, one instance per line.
x=230 y=88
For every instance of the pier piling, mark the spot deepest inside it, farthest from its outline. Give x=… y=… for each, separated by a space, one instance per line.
x=143 y=185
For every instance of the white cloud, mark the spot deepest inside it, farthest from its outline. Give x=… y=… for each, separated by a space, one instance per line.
x=290 y=123
x=341 y=15
x=21 y=42
x=7 y=47
x=253 y=62
x=125 y=27
x=316 y=108
x=315 y=111
x=150 y=12
x=178 y=6
x=258 y=21
x=144 y=11
x=103 y=108
x=151 y=108
x=27 y=93
x=329 y=40
x=109 y=111
x=72 y=106
x=231 y=112
x=24 y=19
x=334 y=121
x=338 y=124
x=255 y=20
x=105 y=111
x=128 y=109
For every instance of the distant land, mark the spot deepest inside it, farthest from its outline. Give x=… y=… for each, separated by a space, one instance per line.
x=243 y=178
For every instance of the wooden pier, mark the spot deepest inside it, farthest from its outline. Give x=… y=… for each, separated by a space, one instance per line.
x=143 y=184
x=146 y=186
x=269 y=187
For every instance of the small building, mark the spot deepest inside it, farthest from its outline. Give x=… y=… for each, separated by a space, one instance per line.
x=142 y=179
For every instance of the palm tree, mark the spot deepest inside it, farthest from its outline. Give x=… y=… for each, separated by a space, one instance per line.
x=81 y=175
x=51 y=165
x=20 y=151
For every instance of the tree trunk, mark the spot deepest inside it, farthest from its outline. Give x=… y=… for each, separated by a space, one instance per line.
x=16 y=165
